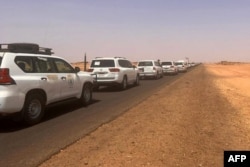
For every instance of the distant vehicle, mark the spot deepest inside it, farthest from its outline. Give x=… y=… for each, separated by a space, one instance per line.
x=31 y=78
x=114 y=71
x=150 y=68
x=192 y=64
x=182 y=66
x=169 y=67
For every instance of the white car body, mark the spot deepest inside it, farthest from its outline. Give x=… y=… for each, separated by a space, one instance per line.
x=169 y=67
x=150 y=68
x=110 y=71
x=182 y=65
x=17 y=82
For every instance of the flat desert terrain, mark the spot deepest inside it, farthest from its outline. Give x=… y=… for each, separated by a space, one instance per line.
x=190 y=122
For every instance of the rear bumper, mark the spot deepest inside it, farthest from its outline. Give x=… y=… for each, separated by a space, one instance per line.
x=147 y=74
x=10 y=102
x=182 y=69
x=170 y=71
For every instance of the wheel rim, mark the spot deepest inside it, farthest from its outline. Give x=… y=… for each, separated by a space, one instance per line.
x=34 y=109
x=86 y=94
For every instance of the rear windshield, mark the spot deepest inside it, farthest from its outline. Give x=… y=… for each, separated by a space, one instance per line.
x=103 y=63
x=166 y=63
x=145 y=63
x=179 y=63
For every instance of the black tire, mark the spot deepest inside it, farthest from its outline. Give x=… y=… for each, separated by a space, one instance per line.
x=137 y=80
x=124 y=83
x=157 y=76
x=86 y=96
x=33 y=110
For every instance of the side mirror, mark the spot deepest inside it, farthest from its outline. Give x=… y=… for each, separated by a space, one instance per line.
x=77 y=69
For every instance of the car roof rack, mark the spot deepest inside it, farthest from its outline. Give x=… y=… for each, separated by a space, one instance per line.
x=25 y=48
x=119 y=57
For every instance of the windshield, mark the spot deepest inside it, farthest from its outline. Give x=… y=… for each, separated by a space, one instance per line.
x=166 y=63
x=103 y=63
x=145 y=63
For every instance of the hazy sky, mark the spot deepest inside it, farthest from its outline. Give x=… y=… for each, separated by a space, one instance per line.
x=202 y=30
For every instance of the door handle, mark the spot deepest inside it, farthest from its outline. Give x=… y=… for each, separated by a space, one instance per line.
x=44 y=79
x=63 y=78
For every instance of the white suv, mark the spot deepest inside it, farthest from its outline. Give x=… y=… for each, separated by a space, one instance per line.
x=30 y=79
x=150 y=68
x=114 y=71
x=169 y=67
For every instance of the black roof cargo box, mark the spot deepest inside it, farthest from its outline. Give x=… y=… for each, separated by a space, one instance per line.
x=25 y=48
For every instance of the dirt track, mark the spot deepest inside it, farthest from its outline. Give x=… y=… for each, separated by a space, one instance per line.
x=188 y=123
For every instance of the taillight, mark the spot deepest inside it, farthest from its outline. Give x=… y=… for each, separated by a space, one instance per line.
x=90 y=70
x=141 y=69
x=114 y=70
x=5 y=78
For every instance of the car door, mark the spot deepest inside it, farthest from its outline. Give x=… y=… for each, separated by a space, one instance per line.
x=69 y=80
x=127 y=70
x=132 y=71
x=158 y=67
x=48 y=78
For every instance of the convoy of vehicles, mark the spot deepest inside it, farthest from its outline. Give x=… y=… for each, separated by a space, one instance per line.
x=31 y=78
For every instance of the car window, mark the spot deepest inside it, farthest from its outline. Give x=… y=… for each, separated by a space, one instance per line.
x=44 y=65
x=25 y=63
x=178 y=63
x=145 y=63
x=166 y=63
x=0 y=61
x=103 y=63
x=63 y=67
x=157 y=63
x=125 y=63
x=130 y=65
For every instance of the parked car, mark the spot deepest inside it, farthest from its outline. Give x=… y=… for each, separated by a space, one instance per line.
x=31 y=79
x=182 y=66
x=110 y=71
x=150 y=68
x=169 y=67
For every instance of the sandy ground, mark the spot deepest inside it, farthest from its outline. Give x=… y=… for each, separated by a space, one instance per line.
x=188 y=123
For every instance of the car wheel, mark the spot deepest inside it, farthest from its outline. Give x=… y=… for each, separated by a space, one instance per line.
x=86 y=96
x=137 y=80
x=157 y=76
x=33 y=110
x=162 y=74
x=124 y=83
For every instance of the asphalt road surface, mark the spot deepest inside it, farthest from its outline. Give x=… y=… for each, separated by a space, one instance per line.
x=66 y=123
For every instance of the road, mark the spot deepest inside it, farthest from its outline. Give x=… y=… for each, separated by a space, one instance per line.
x=67 y=123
